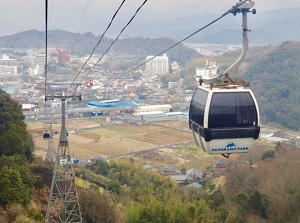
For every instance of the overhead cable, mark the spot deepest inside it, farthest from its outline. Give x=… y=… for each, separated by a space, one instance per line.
x=83 y=15
x=46 y=54
x=46 y=43
x=114 y=41
x=112 y=19
x=209 y=24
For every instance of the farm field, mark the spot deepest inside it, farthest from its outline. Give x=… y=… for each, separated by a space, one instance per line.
x=161 y=144
x=95 y=137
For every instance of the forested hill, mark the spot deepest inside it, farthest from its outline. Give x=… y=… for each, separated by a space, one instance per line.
x=83 y=44
x=275 y=81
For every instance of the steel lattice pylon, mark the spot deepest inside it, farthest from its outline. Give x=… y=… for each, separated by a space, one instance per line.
x=63 y=204
x=51 y=153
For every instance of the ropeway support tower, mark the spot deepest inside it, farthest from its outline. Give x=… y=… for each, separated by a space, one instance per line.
x=63 y=204
x=51 y=152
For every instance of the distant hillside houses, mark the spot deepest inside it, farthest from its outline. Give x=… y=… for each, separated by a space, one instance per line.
x=192 y=175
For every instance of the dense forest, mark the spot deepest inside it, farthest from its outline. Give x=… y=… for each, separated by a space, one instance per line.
x=275 y=80
x=16 y=155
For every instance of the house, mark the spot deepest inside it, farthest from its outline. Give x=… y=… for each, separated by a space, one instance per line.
x=192 y=175
x=195 y=174
x=220 y=166
x=93 y=159
x=182 y=179
x=168 y=170
x=195 y=185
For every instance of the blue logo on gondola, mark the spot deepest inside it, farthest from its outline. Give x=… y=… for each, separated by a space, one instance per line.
x=231 y=144
x=231 y=147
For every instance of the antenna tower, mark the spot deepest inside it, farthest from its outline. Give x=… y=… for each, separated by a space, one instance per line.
x=63 y=204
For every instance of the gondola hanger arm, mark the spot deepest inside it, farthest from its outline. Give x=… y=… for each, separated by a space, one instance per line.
x=224 y=78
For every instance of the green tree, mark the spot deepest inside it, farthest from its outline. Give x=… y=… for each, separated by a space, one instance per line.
x=217 y=197
x=13 y=189
x=134 y=212
x=96 y=208
x=242 y=200
x=13 y=134
x=16 y=180
x=114 y=186
x=100 y=167
x=259 y=203
x=278 y=146
x=268 y=154
x=231 y=217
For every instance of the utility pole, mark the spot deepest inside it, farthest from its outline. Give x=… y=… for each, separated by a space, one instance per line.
x=63 y=204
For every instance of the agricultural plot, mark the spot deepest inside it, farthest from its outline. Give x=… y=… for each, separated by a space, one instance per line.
x=94 y=138
x=166 y=143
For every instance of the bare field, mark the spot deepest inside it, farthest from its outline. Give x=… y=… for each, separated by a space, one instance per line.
x=97 y=137
x=92 y=139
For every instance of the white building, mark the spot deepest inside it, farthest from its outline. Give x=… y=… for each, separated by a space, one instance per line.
x=8 y=65
x=152 y=109
x=36 y=58
x=158 y=65
x=39 y=59
x=208 y=71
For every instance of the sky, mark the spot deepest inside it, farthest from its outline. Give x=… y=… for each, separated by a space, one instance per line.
x=21 y=15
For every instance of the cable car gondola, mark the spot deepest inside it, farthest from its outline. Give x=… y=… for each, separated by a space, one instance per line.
x=224 y=115
x=46 y=135
x=224 y=120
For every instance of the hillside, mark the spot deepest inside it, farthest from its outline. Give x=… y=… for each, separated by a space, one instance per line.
x=83 y=44
x=275 y=80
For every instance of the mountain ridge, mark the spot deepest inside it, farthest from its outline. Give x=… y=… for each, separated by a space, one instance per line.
x=268 y=27
x=83 y=44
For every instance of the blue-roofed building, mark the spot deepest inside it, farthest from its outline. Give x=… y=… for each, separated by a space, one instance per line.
x=111 y=103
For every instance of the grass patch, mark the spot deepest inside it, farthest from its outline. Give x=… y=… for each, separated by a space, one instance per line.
x=81 y=183
x=193 y=149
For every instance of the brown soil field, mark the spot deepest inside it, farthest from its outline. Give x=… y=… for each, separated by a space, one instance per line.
x=95 y=137
x=92 y=137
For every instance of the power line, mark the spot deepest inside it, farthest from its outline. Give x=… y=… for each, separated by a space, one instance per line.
x=112 y=19
x=232 y=10
x=46 y=55
x=114 y=41
x=83 y=15
x=46 y=42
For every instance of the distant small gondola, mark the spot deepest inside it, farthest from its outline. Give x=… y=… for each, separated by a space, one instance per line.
x=46 y=135
x=224 y=115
